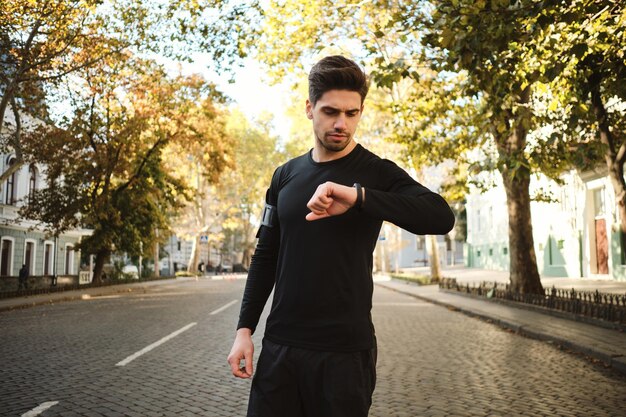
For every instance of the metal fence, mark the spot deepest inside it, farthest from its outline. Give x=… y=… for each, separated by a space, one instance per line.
x=593 y=304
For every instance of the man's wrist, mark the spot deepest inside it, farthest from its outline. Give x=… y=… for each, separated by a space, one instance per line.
x=244 y=331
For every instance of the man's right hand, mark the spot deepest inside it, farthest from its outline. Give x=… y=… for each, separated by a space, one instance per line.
x=243 y=348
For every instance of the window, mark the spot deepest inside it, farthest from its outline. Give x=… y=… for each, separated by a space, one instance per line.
x=29 y=256
x=420 y=242
x=622 y=245
x=6 y=257
x=448 y=243
x=550 y=260
x=505 y=250
x=478 y=253
x=69 y=259
x=47 y=259
x=179 y=245
x=9 y=198
x=490 y=251
x=599 y=203
x=32 y=182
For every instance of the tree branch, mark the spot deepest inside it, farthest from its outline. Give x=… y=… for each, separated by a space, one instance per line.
x=621 y=155
x=141 y=166
x=10 y=90
x=17 y=147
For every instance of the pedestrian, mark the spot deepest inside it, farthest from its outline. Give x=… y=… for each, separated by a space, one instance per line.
x=322 y=218
x=23 y=278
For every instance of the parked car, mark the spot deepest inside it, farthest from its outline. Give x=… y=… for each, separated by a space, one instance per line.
x=131 y=270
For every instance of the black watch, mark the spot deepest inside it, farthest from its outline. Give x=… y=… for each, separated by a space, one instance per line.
x=359 y=195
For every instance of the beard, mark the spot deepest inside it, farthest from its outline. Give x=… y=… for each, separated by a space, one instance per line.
x=332 y=145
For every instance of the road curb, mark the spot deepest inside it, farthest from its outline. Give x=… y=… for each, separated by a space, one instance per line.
x=618 y=363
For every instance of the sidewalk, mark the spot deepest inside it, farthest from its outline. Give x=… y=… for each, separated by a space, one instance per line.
x=476 y=275
x=607 y=345
x=56 y=297
x=81 y=294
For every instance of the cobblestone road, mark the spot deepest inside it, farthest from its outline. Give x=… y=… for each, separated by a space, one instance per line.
x=431 y=361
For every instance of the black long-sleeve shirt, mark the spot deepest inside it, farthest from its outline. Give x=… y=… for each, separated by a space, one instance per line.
x=322 y=270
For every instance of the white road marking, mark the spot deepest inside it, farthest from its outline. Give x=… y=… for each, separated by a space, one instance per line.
x=100 y=297
x=424 y=304
x=160 y=294
x=40 y=409
x=222 y=308
x=155 y=344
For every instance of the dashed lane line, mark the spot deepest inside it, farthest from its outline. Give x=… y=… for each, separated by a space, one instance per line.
x=154 y=345
x=168 y=337
x=222 y=308
x=40 y=409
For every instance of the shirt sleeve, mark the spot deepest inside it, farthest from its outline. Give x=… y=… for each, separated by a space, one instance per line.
x=262 y=271
x=406 y=203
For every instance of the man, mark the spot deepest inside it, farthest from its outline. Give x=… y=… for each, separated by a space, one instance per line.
x=323 y=216
x=23 y=278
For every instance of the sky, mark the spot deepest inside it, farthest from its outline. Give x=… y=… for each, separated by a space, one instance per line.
x=250 y=92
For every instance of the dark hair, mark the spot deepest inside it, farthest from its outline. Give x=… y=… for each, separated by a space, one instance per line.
x=336 y=73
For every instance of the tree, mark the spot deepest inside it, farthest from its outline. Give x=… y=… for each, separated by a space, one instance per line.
x=292 y=34
x=104 y=166
x=478 y=72
x=586 y=43
x=243 y=187
x=199 y=164
x=43 y=44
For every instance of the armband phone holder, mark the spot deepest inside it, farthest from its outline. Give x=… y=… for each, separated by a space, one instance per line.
x=269 y=216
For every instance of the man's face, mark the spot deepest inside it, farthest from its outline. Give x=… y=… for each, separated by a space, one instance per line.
x=335 y=117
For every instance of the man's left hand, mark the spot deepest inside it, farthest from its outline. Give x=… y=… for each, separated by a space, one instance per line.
x=330 y=199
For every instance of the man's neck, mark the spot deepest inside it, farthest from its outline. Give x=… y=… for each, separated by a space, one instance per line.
x=321 y=154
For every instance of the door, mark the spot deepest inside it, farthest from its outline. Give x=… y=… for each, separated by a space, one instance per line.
x=5 y=258
x=602 y=247
x=47 y=259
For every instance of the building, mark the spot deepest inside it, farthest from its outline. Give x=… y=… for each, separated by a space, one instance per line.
x=576 y=234
x=21 y=241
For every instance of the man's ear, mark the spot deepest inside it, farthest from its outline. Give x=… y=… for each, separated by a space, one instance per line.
x=309 y=109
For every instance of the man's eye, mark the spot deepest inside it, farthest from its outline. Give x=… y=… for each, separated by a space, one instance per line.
x=330 y=112
x=352 y=113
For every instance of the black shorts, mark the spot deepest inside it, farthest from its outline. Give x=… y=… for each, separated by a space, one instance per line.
x=294 y=382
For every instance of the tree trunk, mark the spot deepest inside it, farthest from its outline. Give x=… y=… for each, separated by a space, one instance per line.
x=246 y=257
x=514 y=167
x=452 y=236
x=524 y=275
x=435 y=267
x=101 y=258
x=195 y=255
x=157 y=271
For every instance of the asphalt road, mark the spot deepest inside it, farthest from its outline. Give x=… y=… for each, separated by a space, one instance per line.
x=163 y=352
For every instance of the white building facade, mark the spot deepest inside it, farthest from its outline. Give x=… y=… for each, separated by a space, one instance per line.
x=576 y=234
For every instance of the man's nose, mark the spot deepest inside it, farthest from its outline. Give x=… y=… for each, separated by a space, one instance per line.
x=340 y=122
